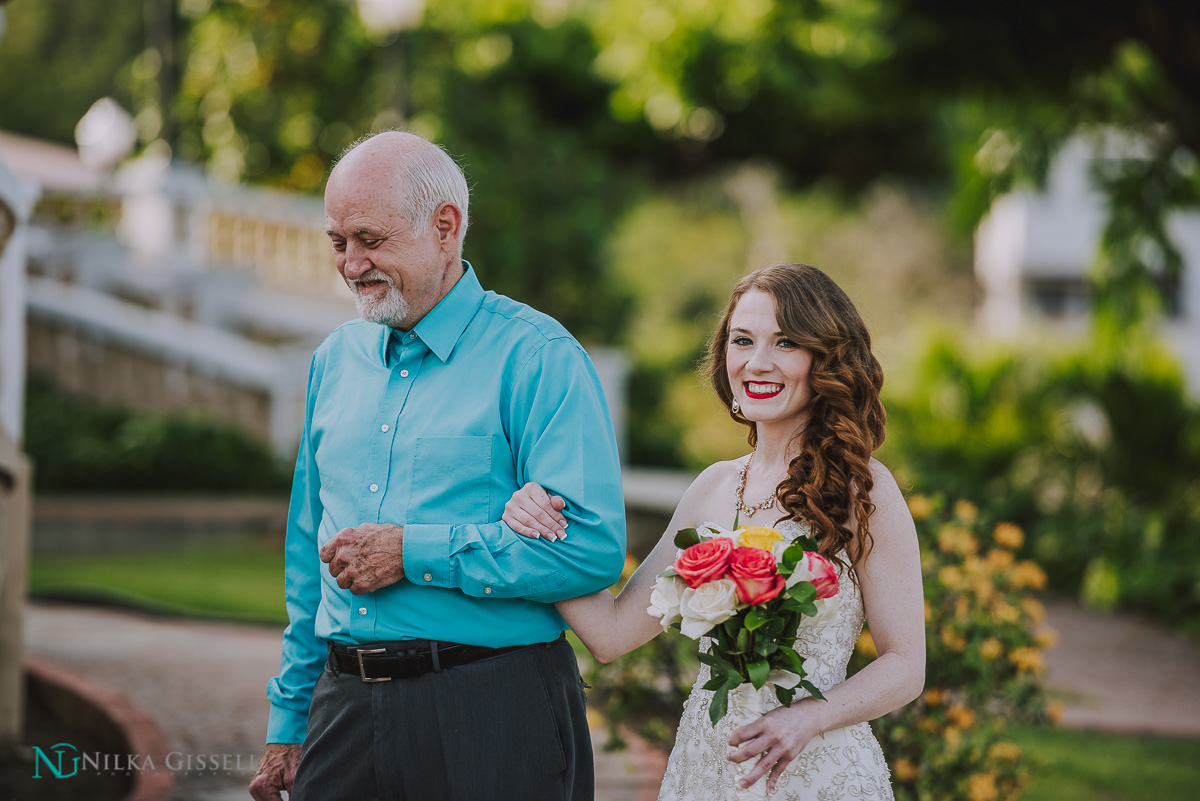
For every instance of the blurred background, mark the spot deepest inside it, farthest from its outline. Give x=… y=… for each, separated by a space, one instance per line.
x=1010 y=194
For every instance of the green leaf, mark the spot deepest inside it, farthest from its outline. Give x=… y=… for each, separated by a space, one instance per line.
x=670 y=571
x=686 y=538
x=813 y=690
x=794 y=662
x=719 y=705
x=717 y=662
x=807 y=543
x=758 y=673
x=785 y=695
x=803 y=591
x=715 y=682
x=792 y=554
x=743 y=640
x=732 y=626
x=755 y=618
x=809 y=609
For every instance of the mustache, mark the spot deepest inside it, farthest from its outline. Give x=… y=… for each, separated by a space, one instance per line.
x=370 y=276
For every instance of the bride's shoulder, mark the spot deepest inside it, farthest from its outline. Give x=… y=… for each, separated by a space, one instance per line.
x=710 y=496
x=717 y=475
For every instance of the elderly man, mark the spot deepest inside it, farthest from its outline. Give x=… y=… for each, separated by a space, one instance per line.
x=424 y=659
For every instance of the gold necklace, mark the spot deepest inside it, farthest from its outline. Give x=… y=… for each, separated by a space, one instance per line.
x=740 y=504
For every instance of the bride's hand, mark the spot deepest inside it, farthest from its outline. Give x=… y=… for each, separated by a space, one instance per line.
x=777 y=737
x=533 y=512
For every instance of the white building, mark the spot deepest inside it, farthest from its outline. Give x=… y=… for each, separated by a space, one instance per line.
x=1035 y=250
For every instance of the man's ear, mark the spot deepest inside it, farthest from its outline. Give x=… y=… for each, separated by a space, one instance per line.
x=447 y=220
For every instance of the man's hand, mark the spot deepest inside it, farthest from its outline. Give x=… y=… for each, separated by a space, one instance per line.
x=366 y=558
x=276 y=772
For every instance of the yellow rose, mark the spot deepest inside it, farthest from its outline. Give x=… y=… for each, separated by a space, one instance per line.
x=759 y=537
x=990 y=648
x=1008 y=535
x=919 y=506
x=1026 y=660
x=966 y=511
x=904 y=770
x=960 y=716
x=1006 y=752
x=982 y=787
x=1027 y=574
x=1033 y=609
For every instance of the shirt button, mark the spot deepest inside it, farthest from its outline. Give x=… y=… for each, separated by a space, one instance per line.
x=404 y=374
x=384 y=427
x=429 y=577
x=362 y=610
x=412 y=336
x=487 y=590
x=374 y=488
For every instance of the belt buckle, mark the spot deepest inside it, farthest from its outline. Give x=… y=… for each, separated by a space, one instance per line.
x=362 y=670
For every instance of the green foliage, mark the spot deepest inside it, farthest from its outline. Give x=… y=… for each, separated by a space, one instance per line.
x=44 y=87
x=81 y=446
x=1095 y=453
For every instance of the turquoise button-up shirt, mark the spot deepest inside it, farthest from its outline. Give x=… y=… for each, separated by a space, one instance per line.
x=434 y=429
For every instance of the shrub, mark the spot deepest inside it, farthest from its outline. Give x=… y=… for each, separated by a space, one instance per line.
x=1096 y=454
x=984 y=658
x=82 y=446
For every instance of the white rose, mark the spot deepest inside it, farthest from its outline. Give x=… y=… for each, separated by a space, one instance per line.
x=706 y=606
x=665 y=599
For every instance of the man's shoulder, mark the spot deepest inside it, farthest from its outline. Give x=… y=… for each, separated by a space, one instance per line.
x=522 y=321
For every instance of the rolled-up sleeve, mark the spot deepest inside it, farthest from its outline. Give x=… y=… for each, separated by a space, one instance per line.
x=562 y=438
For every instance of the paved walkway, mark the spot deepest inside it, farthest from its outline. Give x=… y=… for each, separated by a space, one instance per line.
x=203 y=683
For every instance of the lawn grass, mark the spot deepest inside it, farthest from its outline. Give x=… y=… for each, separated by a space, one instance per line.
x=240 y=580
x=243 y=581
x=1092 y=766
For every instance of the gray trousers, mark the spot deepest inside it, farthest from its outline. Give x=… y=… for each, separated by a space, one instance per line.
x=511 y=727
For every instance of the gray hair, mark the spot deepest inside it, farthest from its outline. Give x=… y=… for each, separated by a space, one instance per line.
x=433 y=178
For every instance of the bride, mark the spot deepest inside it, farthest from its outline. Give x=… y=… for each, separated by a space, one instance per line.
x=792 y=361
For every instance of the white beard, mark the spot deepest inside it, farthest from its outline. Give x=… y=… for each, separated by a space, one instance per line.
x=391 y=309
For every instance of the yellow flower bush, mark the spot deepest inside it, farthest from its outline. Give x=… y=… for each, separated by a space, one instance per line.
x=983 y=665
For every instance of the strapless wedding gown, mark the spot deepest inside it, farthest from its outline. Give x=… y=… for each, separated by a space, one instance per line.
x=844 y=763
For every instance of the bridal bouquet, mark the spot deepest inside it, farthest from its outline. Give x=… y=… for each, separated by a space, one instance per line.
x=747 y=589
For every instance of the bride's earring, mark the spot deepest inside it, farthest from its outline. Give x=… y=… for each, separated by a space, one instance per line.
x=734 y=407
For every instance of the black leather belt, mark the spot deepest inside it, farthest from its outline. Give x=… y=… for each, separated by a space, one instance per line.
x=385 y=661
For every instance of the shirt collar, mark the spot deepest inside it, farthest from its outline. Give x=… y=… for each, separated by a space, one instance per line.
x=442 y=327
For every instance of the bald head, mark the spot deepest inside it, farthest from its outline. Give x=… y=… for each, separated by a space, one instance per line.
x=421 y=174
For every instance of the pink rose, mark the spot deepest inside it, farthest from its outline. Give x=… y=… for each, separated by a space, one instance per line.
x=820 y=571
x=753 y=571
x=704 y=561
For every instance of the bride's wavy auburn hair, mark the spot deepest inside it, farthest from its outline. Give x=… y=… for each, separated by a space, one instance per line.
x=832 y=473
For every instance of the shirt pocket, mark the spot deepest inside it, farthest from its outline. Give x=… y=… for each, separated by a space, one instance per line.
x=451 y=480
